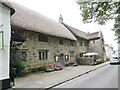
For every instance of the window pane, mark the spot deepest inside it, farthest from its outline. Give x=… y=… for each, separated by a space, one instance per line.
x=71 y=54
x=61 y=41
x=81 y=44
x=39 y=55
x=46 y=54
x=24 y=55
x=43 y=55
x=1 y=40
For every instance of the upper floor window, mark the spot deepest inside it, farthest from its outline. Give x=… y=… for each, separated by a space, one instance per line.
x=61 y=41
x=43 y=38
x=81 y=43
x=71 y=43
x=81 y=54
x=93 y=41
x=22 y=33
x=85 y=44
x=43 y=54
x=71 y=54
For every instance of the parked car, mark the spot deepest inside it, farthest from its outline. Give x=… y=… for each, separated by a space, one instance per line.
x=115 y=60
x=49 y=67
x=58 y=66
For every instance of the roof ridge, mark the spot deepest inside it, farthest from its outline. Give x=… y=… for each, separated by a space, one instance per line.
x=75 y=28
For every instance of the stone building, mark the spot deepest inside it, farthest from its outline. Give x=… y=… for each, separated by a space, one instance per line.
x=46 y=41
x=81 y=43
x=96 y=44
x=88 y=42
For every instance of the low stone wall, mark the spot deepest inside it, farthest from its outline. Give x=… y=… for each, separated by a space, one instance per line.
x=85 y=61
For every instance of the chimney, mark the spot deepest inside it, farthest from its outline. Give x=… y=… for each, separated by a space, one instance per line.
x=60 y=19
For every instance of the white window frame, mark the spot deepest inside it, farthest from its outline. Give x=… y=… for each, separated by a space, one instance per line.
x=1 y=40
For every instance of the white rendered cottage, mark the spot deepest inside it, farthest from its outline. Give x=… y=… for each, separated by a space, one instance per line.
x=6 y=11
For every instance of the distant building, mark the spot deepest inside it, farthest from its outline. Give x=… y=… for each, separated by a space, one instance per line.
x=119 y=46
x=109 y=51
x=88 y=42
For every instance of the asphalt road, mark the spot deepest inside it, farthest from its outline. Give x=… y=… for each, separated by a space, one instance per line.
x=104 y=77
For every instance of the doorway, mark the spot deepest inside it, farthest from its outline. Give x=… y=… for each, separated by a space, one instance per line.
x=61 y=59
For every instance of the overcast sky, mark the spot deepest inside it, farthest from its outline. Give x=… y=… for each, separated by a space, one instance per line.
x=70 y=12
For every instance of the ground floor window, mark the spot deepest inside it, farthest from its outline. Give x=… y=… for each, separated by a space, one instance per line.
x=43 y=54
x=71 y=54
x=66 y=57
x=81 y=54
x=19 y=55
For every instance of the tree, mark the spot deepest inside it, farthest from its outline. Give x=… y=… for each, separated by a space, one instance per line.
x=101 y=12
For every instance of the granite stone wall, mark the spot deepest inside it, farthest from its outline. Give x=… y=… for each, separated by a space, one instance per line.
x=32 y=45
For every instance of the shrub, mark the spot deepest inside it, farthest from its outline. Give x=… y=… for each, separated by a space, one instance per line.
x=98 y=61
x=20 y=66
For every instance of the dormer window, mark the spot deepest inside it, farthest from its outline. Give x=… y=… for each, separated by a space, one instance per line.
x=43 y=38
x=61 y=41
x=93 y=41
x=71 y=43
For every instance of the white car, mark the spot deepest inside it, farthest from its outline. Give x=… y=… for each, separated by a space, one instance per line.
x=115 y=60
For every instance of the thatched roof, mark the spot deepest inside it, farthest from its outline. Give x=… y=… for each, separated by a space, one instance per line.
x=27 y=19
x=76 y=32
x=8 y=4
x=81 y=34
x=94 y=35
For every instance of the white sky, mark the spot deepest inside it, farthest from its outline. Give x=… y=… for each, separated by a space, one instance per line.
x=71 y=15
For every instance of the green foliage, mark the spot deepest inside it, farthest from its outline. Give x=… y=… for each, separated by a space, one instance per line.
x=20 y=65
x=101 y=12
x=98 y=61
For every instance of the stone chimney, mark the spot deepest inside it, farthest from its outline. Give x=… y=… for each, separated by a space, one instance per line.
x=60 y=19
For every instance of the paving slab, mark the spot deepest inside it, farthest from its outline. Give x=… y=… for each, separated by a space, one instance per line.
x=51 y=79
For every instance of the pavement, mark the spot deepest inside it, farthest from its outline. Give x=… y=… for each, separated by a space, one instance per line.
x=48 y=80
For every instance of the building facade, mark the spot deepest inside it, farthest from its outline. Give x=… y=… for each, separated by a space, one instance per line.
x=109 y=51
x=6 y=10
x=47 y=41
x=88 y=42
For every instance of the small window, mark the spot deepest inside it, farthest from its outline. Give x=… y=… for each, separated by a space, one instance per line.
x=85 y=44
x=1 y=40
x=43 y=55
x=43 y=38
x=56 y=57
x=115 y=58
x=90 y=55
x=81 y=54
x=66 y=57
x=71 y=54
x=22 y=55
x=61 y=41
x=81 y=43
x=22 y=33
x=71 y=43
x=93 y=41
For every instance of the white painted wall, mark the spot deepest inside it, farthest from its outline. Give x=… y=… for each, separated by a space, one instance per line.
x=4 y=54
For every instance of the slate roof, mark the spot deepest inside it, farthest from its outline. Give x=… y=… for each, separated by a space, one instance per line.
x=27 y=19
